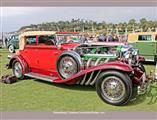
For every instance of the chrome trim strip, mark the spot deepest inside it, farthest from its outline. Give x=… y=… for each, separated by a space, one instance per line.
x=41 y=77
x=107 y=60
x=100 y=55
x=84 y=78
x=93 y=82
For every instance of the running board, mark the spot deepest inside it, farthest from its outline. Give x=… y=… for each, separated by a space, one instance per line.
x=149 y=60
x=40 y=76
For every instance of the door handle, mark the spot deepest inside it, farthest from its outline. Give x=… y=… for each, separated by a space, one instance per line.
x=56 y=53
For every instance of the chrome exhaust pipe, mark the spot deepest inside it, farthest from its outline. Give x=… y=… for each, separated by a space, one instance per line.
x=91 y=76
x=87 y=66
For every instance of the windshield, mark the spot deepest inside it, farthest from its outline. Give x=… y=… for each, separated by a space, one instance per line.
x=13 y=37
x=61 y=39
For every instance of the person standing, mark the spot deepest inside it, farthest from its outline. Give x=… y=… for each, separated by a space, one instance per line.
x=110 y=38
x=102 y=38
x=83 y=39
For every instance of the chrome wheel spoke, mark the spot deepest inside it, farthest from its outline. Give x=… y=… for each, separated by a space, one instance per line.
x=17 y=69
x=68 y=67
x=113 y=88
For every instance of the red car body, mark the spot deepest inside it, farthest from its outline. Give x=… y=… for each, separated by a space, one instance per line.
x=40 y=61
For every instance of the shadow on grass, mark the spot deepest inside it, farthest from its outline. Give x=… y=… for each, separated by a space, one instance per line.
x=149 y=63
x=70 y=87
x=150 y=96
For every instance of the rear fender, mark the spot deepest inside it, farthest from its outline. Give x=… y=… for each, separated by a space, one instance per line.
x=141 y=59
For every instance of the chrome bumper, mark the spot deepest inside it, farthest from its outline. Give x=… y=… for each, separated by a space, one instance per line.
x=10 y=56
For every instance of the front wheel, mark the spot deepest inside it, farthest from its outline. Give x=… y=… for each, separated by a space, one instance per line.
x=114 y=87
x=17 y=70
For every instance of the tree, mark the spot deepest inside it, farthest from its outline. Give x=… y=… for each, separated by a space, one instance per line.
x=131 y=25
x=82 y=25
x=143 y=24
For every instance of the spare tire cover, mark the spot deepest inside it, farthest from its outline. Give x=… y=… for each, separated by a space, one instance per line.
x=68 y=64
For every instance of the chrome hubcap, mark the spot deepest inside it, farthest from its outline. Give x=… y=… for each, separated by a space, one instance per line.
x=113 y=88
x=11 y=48
x=68 y=67
x=17 y=70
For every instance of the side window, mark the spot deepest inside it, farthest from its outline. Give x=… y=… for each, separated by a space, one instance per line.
x=31 y=40
x=145 y=38
x=47 y=40
x=16 y=37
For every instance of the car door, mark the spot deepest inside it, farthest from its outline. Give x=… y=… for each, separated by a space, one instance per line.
x=146 y=46
x=47 y=53
x=29 y=53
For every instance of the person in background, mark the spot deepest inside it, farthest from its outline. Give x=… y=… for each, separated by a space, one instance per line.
x=83 y=38
x=95 y=38
x=125 y=38
x=116 y=39
x=110 y=38
x=102 y=38
x=69 y=39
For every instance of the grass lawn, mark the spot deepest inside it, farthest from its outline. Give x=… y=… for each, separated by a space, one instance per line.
x=36 y=95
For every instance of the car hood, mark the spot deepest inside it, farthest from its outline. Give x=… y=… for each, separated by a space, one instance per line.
x=70 y=46
x=107 y=43
x=74 y=45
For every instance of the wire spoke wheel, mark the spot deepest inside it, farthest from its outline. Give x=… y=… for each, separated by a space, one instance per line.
x=68 y=67
x=68 y=64
x=113 y=88
x=17 y=69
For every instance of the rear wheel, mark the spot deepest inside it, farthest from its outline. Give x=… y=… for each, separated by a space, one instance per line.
x=17 y=70
x=11 y=49
x=114 y=87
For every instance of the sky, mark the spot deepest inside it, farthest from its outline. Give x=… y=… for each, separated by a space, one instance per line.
x=12 y=18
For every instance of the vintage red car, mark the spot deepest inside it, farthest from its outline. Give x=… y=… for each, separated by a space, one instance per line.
x=114 y=68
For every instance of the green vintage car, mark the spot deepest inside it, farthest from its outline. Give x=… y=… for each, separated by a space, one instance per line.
x=146 y=42
x=13 y=43
x=1 y=42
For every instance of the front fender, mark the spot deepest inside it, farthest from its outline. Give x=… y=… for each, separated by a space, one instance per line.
x=106 y=66
x=141 y=59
